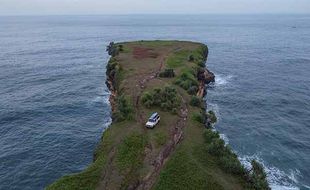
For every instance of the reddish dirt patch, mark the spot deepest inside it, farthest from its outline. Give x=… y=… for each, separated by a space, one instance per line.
x=142 y=53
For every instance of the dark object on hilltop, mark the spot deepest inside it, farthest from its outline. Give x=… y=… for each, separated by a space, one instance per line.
x=191 y=58
x=168 y=73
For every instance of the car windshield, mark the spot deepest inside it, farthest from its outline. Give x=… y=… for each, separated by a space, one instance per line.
x=151 y=120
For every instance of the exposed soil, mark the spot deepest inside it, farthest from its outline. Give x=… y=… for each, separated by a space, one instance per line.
x=142 y=53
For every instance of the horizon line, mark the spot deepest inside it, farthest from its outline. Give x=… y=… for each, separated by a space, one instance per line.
x=150 y=14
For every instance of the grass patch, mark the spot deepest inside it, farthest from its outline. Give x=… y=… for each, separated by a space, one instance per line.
x=129 y=158
x=183 y=172
x=178 y=59
x=130 y=152
x=160 y=138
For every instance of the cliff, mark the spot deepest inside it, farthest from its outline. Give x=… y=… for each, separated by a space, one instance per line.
x=181 y=152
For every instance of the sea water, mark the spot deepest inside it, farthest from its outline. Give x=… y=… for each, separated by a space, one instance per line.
x=54 y=102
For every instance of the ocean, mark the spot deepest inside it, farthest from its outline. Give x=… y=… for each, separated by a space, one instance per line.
x=54 y=102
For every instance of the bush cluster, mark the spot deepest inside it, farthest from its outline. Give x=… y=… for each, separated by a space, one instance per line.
x=229 y=161
x=216 y=147
x=199 y=117
x=167 y=73
x=188 y=82
x=258 y=176
x=195 y=101
x=165 y=98
x=124 y=109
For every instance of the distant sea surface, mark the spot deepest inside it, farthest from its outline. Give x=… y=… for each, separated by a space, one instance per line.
x=54 y=102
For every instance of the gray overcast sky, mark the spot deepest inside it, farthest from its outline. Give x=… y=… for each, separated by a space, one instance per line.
x=51 y=7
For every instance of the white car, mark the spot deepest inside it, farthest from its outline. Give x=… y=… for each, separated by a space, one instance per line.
x=153 y=120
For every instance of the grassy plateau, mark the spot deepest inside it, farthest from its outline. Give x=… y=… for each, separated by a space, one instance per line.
x=180 y=152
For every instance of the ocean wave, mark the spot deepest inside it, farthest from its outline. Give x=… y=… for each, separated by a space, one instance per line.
x=277 y=179
x=222 y=80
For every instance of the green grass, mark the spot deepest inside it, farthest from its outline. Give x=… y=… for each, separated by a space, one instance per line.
x=160 y=138
x=178 y=59
x=127 y=150
x=183 y=171
x=130 y=152
x=129 y=158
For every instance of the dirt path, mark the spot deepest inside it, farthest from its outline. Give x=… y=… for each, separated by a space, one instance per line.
x=175 y=137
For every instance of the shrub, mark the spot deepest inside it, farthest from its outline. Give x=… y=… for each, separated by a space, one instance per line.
x=191 y=58
x=192 y=90
x=258 y=176
x=212 y=117
x=210 y=135
x=121 y=47
x=231 y=164
x=124 y=110
x=199 y=117
x=216 y=147
x=165 y=98
x=168 y=73
x=188 y=82
x=195 y=101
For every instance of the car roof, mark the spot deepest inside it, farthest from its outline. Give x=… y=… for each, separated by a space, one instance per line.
x=154 y=115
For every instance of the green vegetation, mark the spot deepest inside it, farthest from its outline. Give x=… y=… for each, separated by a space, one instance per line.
x=126 y=154
x=124 y=109
x=130 y=152
x=183 y=172
x=167 y=73
x=188 y=82
x=211 y=116
x=191 y=58
x=229 y=162
x=114 y=72
x=195 y=101
x=227 y=159
x=258 y=176
x=160 y=138
x=177 y=59
x=166 y=98
x=199 y=117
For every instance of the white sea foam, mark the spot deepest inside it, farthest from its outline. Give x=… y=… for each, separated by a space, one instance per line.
x=278 y=180
x=225 y=138
x=215 y=108
x=221 y=80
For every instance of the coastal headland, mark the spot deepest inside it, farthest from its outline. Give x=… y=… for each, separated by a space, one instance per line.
x=182 y=151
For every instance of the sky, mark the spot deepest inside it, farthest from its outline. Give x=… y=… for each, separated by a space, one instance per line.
x=80 y=7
